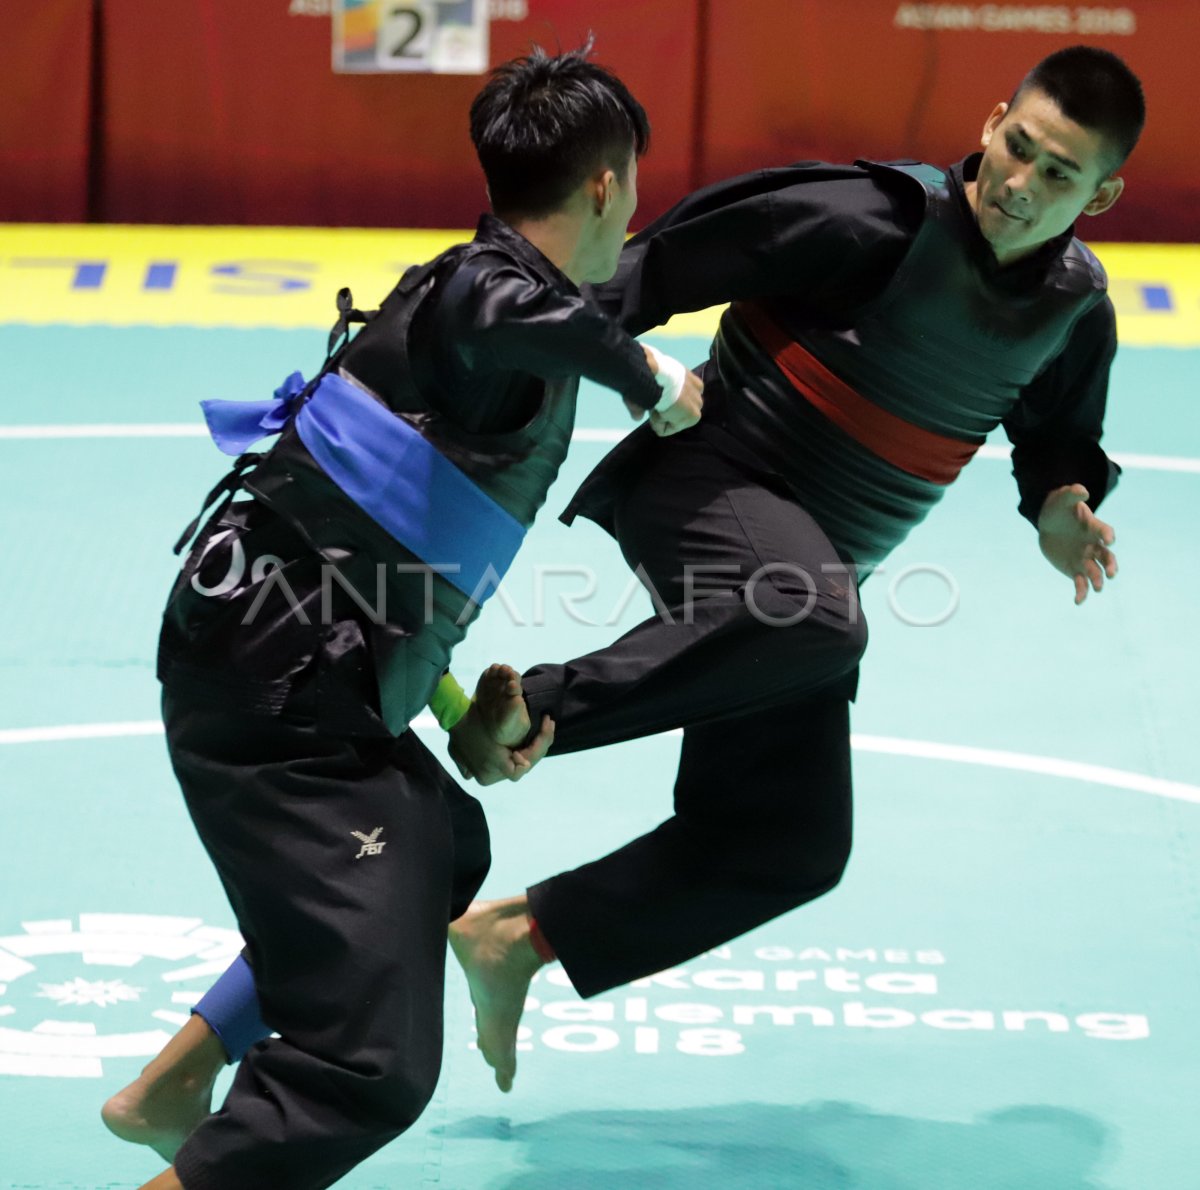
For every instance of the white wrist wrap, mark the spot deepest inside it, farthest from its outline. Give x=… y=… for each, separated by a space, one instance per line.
x=670 y=377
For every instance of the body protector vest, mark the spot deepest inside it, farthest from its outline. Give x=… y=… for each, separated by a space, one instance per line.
x=869 y=423
x=419 y=518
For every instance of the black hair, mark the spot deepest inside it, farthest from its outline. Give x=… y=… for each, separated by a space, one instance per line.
x=543 y=124
x=1094 y=88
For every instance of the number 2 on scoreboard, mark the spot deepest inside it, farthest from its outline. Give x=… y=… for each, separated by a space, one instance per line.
x=406 y=35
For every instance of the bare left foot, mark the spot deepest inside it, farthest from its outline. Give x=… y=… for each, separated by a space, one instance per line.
x=491 y=943
x=163 y=1105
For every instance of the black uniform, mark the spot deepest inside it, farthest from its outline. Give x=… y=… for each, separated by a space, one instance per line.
x=872 y=344
x=343 y=845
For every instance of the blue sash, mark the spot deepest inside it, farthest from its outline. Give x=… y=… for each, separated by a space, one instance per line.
x=397 y=477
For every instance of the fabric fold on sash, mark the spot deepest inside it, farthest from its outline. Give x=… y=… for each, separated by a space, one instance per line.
x=236 y=425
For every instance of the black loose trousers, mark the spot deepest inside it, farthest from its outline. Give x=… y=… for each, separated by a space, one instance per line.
x=754 y=653
x=344 y=860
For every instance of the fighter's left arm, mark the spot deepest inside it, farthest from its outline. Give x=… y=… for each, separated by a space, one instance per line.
x=1061 y=470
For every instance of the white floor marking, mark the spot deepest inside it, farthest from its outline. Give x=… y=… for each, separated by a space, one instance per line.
x=113 y=430
x=108 y=958
x=1135 y=462
x=35 y=1065
x=80 y=731
x=1025 y=762
x=118 y=1045
x=178 y=1019
x=138 y=923
x=197 y=970
x=172 y=950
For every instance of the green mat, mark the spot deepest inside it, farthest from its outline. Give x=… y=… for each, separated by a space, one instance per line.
x=998 y=995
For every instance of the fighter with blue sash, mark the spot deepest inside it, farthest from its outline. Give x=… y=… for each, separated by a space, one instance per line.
x=312 y=621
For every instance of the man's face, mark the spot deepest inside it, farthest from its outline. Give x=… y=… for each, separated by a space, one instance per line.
x=1040 y=171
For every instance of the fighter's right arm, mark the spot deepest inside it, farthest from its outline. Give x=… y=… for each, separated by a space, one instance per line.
x=499 y=318
x=826 y=235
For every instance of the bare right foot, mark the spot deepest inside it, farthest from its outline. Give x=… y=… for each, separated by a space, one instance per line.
x=492 y=945
x=162 y=1106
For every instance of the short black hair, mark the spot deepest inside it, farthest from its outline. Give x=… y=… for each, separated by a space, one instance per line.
x=1094 y=88
x=544 y=123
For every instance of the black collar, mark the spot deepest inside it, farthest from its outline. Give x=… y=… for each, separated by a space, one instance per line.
x=492 y=230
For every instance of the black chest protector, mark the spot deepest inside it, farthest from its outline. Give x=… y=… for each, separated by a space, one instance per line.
x=425 y=615
x=947 y=348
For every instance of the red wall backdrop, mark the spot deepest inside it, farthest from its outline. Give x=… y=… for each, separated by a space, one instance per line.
x=836 y=81
x=224 y=111
x=46 y=53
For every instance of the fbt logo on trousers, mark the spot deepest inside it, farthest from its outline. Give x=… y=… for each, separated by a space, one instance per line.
x=107 y=985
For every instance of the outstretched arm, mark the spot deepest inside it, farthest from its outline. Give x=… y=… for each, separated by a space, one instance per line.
x=496 y=319
x=1061 y=470
x=829 y=236
x=682 y=399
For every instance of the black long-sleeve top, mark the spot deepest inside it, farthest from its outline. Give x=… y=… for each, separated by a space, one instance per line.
x=500 y=332
x=495 y=326
x=821 y=242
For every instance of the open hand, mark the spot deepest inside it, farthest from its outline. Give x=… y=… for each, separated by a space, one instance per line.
x=1075 y=541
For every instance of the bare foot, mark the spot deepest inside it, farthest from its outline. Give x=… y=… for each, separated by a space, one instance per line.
x=167 y=1180
x=162 y=1106
x=491 y=943
x=500 y=704
x=484 y=742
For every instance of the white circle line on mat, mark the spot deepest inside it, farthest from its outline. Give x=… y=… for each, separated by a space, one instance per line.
x=113 y=430
x=1024 y=762
x=1136 y=462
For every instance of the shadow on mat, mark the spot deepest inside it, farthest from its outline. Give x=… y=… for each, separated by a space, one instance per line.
x=821 y=1146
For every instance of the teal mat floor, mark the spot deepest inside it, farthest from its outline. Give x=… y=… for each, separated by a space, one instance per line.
x=1001 y=995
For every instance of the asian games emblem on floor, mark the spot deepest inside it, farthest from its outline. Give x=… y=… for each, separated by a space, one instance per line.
x=108 y=985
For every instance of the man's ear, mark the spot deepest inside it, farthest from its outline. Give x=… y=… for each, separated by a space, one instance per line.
x=604 y=191
x=1110 y=190
x=992 y=123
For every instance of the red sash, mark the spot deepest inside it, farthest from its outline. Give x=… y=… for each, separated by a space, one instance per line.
x=920 y=452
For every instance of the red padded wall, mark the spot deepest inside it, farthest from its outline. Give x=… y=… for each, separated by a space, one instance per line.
x=46 y=67
x=222 y=111
x=837 y=81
